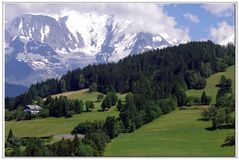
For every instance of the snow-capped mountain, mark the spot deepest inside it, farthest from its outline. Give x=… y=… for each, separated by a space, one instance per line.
x=39 y=47
x=229 y=39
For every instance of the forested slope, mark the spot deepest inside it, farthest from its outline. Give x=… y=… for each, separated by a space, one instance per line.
x=155 y=74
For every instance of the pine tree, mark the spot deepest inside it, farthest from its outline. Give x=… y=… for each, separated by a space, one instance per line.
x=81 y=82
x=119 y=105
x=93 y=87
x=75 y=142
x=40 y=102
x=10 y=134
x=89 y=105
x=62 y=85
x=205 y=100
x=106 y=104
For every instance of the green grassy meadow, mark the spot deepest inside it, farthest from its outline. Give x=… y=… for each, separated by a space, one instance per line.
x=179 y=133
x=54 y=126
x=85 y=95
x=211 y=89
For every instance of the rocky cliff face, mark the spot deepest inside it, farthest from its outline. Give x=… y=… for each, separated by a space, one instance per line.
x=38 y=47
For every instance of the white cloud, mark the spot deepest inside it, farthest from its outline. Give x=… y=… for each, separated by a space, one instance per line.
x=222 y=9
x=221 y=32
x=191 y=17
x=146 y=17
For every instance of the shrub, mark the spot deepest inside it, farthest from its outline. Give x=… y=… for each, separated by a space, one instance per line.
x=69 y=114
x=86 y=127
x=43 y=113
x=93 y=87
x=89 y=105
x=205 y=100
x=205 y=114
x=230 y=140
x=100 y=97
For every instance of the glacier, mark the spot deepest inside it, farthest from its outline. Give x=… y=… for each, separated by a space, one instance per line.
x=47 y=47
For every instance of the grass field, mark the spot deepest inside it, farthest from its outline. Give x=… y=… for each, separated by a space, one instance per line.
x=85 y=95
x=179 y=133
x=54 y=126
x=211 y=89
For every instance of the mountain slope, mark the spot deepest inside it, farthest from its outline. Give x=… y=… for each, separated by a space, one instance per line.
x=211 y=89
x=229 y=39
x=179 y=133
x=12 y=90
x=49 y=47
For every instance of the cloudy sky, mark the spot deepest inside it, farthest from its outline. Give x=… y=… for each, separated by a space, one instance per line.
x=183 y=22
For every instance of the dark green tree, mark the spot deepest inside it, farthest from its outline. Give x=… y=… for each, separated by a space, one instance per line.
x=106 y=104
x=93 y=87
x=112 y=96
x=81 y=82
x=78 y=106
x=224 y=87
x=119 y=105
x=89 y=105
x=36 y=147
x=100 y=97
x=205 y=100
x=219 y=118
x=40 y=102
x=112 y=127
x=85 y=151
x=206 y=70
x=10 y=134
x=44 y=113
x=62 y=85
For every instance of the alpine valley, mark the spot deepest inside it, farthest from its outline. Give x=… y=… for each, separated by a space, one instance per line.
x=38 y=47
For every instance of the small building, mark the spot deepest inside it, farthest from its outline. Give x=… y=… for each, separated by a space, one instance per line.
x=33 y=109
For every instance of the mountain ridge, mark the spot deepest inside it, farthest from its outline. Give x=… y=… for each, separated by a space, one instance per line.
x=12 y=90
x=52 y=46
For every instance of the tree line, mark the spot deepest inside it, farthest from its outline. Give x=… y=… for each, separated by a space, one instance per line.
x=222 y=113
x=97 y=135
x=156 y=74
x=52 y=107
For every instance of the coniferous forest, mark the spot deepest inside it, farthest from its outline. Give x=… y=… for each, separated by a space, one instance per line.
x=155 y=74
x=156 y=82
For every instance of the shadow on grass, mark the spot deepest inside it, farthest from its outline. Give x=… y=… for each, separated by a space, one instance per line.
x=203 y=119
x=227 y=145
x=229 y=141
x=210 y=129
x=220 y=127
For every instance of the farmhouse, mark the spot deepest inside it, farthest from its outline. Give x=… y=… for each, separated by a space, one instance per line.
x=33 y=109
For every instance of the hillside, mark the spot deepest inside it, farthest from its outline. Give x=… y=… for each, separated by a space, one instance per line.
x=54 y=126
x=211 y=89
x=85 y=95
x=156 y=73
x=157 y=81
x=179 y=133
x=12 y=90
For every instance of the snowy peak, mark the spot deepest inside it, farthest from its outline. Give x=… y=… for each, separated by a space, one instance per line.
x=41 y=28
x=47 y=47
x=229 y=39
x=88 y=28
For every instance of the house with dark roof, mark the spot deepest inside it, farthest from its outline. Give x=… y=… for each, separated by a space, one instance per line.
x=33 y=109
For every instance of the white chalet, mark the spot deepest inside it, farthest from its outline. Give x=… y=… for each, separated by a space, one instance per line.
x=33 y=109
